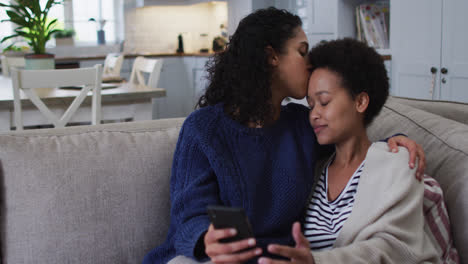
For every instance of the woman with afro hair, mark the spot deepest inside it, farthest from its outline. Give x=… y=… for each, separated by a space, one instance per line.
x=365 y=207
x=242 y=148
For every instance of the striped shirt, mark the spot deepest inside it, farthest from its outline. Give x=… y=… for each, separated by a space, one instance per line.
x=325 y=218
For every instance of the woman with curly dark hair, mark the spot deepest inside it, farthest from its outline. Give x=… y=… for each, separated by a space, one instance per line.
x=259 y=69
x=366 y=207
x=242 y=148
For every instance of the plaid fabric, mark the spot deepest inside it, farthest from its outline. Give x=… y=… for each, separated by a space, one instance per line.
x=437 y=223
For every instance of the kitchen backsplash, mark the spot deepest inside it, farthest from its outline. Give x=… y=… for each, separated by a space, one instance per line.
x=156 y=28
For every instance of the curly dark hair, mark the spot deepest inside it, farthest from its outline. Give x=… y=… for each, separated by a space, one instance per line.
x=240 y=76
x=360 y=67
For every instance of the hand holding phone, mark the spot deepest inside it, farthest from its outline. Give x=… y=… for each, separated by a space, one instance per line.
x=230 y=217
x=239 y=249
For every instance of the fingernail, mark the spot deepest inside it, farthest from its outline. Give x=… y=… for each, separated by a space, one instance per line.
x=233 y=231
x=251 y=242
x=417 y=175
x=394 y=150
x=261 y=261
x=411 y=165
x=258 y=252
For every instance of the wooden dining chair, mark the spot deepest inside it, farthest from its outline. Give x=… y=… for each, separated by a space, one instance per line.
x=27 y=81
x=113 y=65
x=144 y=65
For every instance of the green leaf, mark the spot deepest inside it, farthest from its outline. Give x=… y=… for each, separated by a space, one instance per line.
x=25 y=11
x=32 y=22
x=12 y=47
x=21 y=8
x=52 y=32
x=36 y=8
x=50 y=3
x=24 y=34
x=17 y=19
x=12 y=6
x=51 y=23
x=5 y=5
x=9 y=37
x=13 y=14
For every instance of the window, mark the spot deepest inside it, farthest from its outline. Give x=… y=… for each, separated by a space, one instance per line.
x=55 y=12
x=100 y=10
x=78 y=13
x=5 y=28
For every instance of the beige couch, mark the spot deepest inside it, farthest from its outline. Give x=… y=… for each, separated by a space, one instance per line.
x=100 y=194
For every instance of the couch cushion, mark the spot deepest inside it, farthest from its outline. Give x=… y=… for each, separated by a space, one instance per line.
x=451 y=110
x=445 y=143
x=97 y=194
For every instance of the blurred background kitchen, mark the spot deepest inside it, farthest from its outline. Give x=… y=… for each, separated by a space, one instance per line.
x=185 y=33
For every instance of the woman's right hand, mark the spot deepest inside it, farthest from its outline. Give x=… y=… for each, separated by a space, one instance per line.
x=228 y=252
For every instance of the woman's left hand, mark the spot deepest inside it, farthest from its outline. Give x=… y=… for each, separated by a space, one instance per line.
x=415 y=151
x=299 y=254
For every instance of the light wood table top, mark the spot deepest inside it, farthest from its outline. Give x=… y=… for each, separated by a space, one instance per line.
x=120 y=92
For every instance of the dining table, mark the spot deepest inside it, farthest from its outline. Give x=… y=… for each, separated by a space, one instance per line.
x=119 y=102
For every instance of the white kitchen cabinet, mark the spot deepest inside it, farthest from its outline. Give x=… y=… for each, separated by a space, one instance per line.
x=430 y=35
x=126 y=69
x=90 y=63
x=142 y=3
x=184 y=79
x=318 y=16
x=320 y=21
x=176 y=78
x=237 y=9
x=200 y=81
x=325 y=19
x=124 y=72
x=454 y=51
x=259 y=4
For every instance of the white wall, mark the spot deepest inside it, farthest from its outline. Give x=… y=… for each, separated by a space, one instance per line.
x=156 y=28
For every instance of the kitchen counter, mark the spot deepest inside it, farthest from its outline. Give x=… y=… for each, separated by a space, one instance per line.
x=134 y=55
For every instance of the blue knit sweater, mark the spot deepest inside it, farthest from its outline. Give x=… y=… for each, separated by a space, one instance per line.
x=267 y=171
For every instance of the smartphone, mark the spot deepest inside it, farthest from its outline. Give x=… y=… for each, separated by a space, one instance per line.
x=230 y=217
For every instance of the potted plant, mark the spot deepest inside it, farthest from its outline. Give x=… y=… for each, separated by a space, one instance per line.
x=101 y=34
x=64 y=37
x=35 y=28
x=12 y=56
x=15 y=51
